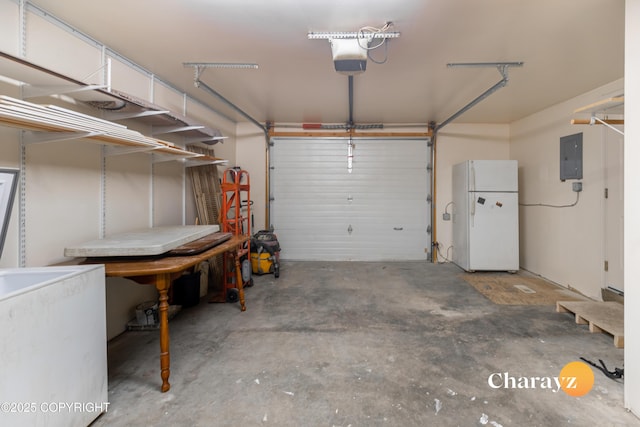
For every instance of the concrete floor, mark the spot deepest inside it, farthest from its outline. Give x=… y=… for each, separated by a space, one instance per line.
x=361 y=344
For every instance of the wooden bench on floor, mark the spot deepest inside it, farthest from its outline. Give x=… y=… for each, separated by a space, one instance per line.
x=607 y=316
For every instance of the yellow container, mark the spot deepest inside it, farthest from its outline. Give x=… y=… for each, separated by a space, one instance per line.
x=261 y=263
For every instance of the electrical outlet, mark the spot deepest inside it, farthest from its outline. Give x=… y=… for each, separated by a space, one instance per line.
x=577 y=187
x=446 y=216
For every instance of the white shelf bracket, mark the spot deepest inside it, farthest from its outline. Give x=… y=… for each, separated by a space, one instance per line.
x=595 y=119
x=30 y=91
x=111 y=151
x=123 y=116
x=207 y=140
x=34 y=137
x=163 y=158
x=159 y=130
x=194 y=163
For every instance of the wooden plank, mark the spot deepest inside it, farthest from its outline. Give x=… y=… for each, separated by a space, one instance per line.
x=588 y=122
x=602 y=317
x=200 y=245
x=610 y=105
x=618 y=341
x=581 y=321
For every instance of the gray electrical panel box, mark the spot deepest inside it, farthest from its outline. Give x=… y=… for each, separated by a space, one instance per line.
x=571 y=157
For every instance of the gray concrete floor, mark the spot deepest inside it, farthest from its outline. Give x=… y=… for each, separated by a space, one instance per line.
x=361 y=344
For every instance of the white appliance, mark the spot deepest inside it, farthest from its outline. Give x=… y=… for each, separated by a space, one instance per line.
x=53 y=346
x=485 y=215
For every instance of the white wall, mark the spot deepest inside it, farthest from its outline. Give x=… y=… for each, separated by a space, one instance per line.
x=251 y=150
x=563 y=245
x=64 y=181
x=456 y=143
x=632 y=207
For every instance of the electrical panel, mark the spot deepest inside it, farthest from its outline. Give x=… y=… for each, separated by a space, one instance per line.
x=571 y=157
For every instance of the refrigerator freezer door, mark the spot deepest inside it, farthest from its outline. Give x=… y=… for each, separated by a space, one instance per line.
x=493 y=231
x=460 y=215
x=493 y=175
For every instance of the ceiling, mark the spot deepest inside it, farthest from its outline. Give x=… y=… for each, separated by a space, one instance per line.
x=568 y=47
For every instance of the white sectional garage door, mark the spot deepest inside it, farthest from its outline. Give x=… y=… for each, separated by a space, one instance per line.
x=374 y=208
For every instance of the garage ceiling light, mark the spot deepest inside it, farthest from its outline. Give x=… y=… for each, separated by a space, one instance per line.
x=350 y=50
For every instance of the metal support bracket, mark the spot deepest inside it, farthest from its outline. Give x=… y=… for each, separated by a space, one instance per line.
x=30 y=91
x=503 y=69
x=207 y=140
x=123 y=116
x=163 y=158
x=159 y=130
x=35 y=137
x=199 y=67
x=193 y=163
x=595 y=119
x=111 y=151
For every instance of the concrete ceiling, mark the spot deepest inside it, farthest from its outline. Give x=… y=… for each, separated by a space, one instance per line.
x=568 y=47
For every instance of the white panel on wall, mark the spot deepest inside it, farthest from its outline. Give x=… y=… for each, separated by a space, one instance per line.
x=376 y=211
x=168 y=98
x=10 y=24
x=62 y=198
x=167 y=193
x=129 y=80
x=57 y=49
x=128 y=189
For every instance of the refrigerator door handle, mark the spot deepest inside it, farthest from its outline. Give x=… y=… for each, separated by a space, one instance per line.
x=472 y=206
x=472 y=183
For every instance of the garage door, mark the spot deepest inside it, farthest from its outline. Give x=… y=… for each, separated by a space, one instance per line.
x=366 y=200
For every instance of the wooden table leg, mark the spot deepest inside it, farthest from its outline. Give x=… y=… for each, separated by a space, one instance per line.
x=163 y=284
x=239 y=282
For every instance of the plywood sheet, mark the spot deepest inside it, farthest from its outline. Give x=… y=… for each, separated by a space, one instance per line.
x=519 y=289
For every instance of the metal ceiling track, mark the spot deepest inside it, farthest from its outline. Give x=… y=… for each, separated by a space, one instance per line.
x=350 y=122
x=199 y=67
x=349 y=126
x=353 y=35
x=503 y=69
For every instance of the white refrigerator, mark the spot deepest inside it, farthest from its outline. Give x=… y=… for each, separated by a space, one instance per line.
x=485 y=215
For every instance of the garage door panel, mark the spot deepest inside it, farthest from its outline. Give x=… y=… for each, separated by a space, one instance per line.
x=372 y=153
x=314 y=244
x=376 y=211
x=303 y=217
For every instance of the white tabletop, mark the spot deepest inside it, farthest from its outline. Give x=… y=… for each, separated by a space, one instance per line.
x=149 y=241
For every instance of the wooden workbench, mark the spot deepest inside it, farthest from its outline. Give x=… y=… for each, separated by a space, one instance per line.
x=161 y=271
